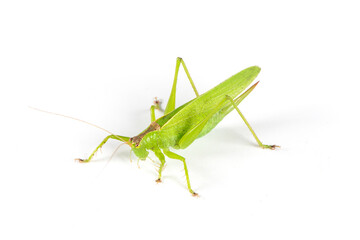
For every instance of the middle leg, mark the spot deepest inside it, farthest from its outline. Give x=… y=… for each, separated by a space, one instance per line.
x=178 y=157
x=161 y=157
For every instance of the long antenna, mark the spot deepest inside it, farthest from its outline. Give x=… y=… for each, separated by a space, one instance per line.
x=91 y=124
x=62 y=115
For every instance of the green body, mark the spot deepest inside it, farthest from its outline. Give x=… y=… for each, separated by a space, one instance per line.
x=179 y=127
x=175 y=124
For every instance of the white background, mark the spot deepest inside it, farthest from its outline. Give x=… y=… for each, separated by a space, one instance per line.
x=104 y=61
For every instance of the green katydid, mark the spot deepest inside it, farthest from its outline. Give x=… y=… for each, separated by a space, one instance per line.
x=179 y=127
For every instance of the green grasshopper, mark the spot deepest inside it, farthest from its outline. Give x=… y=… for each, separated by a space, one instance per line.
x=179 y=127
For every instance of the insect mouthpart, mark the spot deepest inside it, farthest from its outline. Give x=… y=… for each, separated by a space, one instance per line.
x=135 y=140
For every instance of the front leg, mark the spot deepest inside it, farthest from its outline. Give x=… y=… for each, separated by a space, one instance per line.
x=120 y=138
x=157 y=102
x=152 y=113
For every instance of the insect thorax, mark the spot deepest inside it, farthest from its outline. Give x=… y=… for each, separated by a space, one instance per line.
x=154 y=126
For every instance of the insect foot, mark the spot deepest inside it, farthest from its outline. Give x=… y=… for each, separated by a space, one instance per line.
x=157 y=103
x=80 y=160
x=194 y=194
x=158 y=180
x=272 y=147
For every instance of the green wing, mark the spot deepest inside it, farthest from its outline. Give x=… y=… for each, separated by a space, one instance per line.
x=194 y=112
x=208 y=123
